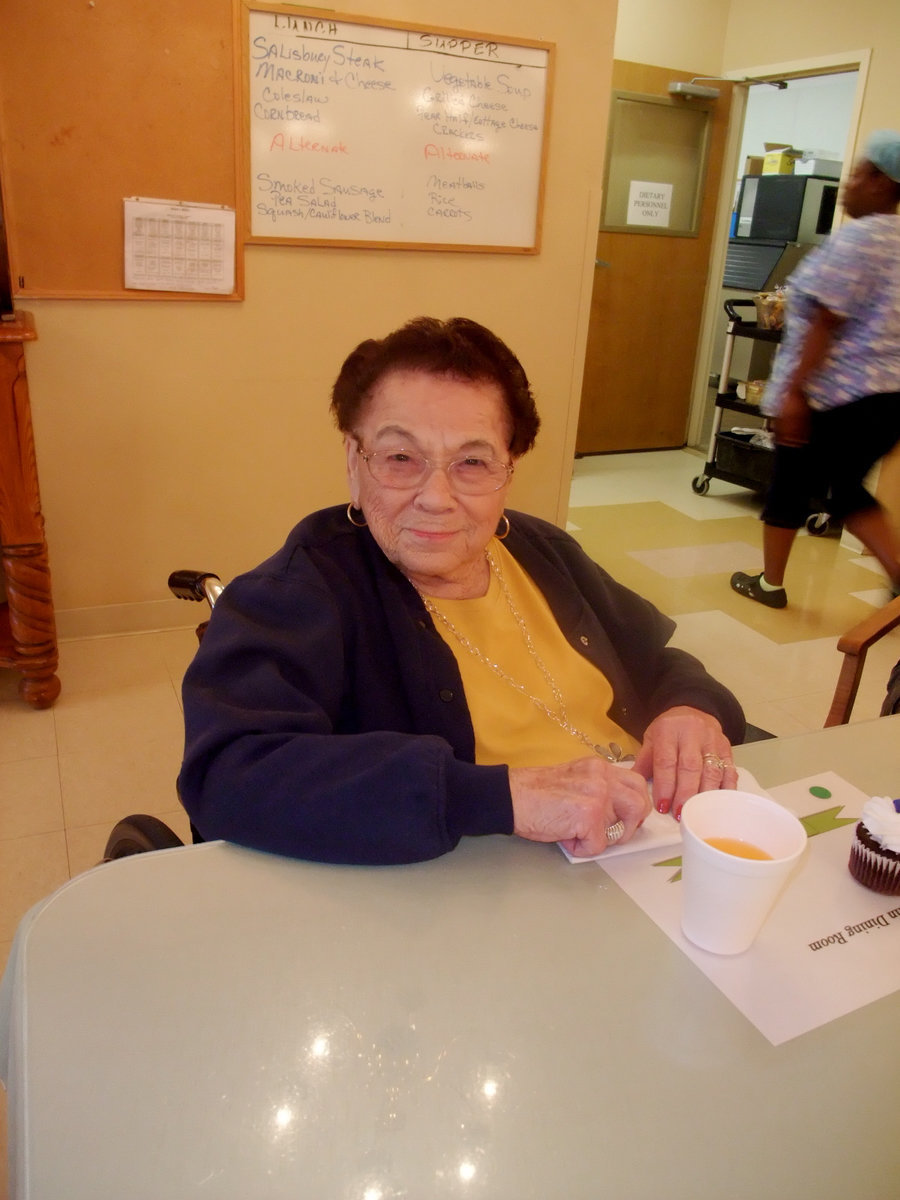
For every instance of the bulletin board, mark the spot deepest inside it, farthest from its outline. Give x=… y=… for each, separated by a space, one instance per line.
x=357 y=133
x=101 y=100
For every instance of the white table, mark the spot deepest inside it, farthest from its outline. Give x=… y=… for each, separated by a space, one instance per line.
x=212 y=1022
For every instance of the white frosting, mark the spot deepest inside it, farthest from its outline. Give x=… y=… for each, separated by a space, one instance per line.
x=883 y=822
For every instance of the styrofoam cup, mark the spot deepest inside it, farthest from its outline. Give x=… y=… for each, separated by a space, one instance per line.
x=726 y=899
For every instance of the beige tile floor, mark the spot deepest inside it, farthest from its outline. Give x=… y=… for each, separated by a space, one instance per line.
x=109 y=746
x=112 y=742
x=638 y=516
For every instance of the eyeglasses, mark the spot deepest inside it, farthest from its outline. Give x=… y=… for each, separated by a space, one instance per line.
x=470 y=475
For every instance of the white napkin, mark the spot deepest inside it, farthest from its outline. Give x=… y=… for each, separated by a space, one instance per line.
x=659 y=829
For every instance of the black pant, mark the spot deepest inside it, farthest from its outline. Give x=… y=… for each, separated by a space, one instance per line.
x=844 y=444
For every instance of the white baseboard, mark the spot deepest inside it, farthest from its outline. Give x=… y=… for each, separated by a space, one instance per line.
x=107 y=620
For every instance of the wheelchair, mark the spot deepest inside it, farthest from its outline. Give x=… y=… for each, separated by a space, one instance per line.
x=138 y=833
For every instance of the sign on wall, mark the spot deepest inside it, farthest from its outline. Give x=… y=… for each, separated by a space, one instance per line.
x=649 y=204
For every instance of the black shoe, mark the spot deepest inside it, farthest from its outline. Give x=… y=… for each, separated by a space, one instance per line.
x=749 y=585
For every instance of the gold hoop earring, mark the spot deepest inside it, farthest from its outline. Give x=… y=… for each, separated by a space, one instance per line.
x=350 y=511
x=505 y=534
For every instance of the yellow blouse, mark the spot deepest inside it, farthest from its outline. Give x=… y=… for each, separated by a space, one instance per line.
x=509 y=727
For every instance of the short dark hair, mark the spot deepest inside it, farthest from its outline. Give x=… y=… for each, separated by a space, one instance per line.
x=459 y=348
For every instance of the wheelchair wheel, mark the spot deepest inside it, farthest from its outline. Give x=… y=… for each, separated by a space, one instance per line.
x=137 y=834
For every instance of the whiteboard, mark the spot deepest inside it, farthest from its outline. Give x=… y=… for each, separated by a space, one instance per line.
x=360 y=133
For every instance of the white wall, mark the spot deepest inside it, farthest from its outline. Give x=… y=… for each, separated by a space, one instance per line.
x=809 y=114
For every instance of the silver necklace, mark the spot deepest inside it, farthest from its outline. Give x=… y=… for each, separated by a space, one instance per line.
x=613 y=752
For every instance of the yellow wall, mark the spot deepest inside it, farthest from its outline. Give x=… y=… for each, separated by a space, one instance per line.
x=772 y=31
x=684 y=35
x=715 y=36
x=172 y=434
x=712 y=35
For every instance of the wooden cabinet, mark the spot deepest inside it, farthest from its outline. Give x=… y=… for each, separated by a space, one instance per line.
x=27 y=624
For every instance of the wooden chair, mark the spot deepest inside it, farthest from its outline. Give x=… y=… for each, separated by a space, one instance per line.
x=854 y=646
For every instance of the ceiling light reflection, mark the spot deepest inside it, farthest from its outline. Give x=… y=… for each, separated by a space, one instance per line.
x=320 y=1047
x=466 y=1171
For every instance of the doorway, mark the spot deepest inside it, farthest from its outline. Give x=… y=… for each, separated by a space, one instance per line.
x=809 y=112
x=801 y=75
x=648 y=291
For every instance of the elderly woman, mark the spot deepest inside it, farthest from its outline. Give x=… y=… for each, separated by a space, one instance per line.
x=423 y=666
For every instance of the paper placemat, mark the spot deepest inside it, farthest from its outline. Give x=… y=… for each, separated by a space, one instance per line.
x=829 y=946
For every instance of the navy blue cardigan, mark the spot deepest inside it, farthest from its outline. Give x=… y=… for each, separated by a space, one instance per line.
x=325 y=716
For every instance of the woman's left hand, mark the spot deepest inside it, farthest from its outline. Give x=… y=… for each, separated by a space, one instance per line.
x=684 y=752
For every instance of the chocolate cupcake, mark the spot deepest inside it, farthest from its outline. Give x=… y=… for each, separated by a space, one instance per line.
x=875 y=853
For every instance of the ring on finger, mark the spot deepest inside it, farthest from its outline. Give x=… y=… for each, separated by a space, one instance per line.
x=614 y=832
x=715 y=760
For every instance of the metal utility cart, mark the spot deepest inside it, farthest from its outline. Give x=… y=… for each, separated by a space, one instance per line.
x=732 y=456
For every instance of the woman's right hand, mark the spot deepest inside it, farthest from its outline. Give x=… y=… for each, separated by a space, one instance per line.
x=576 y=802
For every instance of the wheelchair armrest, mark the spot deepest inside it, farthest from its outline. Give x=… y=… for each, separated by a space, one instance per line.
x=195 y=585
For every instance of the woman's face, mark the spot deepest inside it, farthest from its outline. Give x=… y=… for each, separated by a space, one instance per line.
x=432 y=533
x=863 y=191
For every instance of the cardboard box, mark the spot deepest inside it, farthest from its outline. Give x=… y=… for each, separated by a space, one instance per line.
x=779 y=158
x=808 y=165
x=778 y=162
x=753 y=164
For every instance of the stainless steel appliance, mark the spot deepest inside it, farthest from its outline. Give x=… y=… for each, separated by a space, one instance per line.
x=785 y=208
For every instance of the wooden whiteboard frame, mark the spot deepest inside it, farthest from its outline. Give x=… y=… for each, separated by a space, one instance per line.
x=316 y=24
